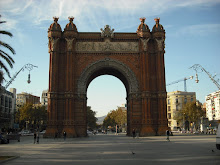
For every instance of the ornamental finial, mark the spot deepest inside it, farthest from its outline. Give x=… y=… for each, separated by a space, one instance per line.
x=55 y=19
x=71 y=18
x=142 y=19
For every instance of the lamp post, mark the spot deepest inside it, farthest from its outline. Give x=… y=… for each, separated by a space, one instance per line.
x=29 y=67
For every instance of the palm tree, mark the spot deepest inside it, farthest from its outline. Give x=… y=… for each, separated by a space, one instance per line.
x=5 y=56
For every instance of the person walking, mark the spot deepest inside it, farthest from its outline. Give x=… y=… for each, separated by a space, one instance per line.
x=56 y=135
x=38 y=137
x=168 y=135
x=35 y=136
x=133 y=133
x=64 y=135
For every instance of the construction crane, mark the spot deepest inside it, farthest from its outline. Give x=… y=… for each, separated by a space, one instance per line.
x=196 y=67
x=184 y=79
x=29 y=67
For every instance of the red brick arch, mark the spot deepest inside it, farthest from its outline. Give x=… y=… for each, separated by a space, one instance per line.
x=76 y=58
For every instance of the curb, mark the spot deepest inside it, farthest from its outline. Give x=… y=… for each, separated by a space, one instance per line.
x=9 y=159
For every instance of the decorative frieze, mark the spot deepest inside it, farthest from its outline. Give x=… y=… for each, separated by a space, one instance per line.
x=107 y=46
x=62 y=95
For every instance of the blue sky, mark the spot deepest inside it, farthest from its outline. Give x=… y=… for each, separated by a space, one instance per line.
x=192 y=37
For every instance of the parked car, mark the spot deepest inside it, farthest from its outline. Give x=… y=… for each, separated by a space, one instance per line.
x=89 y=132
x=25 y=133
x=43 y=132
x=218 y=138
x=3 y=140
x=13 y=136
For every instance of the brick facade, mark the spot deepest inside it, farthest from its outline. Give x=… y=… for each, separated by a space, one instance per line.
x=76 y=58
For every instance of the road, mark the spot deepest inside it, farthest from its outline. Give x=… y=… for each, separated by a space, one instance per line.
x=114 y=149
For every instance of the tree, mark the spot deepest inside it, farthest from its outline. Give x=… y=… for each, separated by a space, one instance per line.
x=115 y=117
x=5 y=55
x=36 y=116
x=190 y=113
x=91 y=119
x=109 y=120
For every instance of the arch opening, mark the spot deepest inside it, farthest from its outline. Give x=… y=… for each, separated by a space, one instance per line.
x=104 y=94
x=116 y=69
x=110 y=72
x=108 y=67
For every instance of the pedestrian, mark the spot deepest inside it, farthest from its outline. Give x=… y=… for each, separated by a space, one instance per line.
x=38 y=137
x=56 y=134
x=35 y=136
x=168 y=134
x=64 y=135
x=133 y=133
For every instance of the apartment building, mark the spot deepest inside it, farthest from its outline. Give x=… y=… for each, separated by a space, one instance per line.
x=213 y=106
x=175 y=102
x=24 y=98
x=7 y=107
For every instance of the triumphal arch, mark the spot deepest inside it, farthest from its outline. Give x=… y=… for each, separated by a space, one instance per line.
x=76 y=58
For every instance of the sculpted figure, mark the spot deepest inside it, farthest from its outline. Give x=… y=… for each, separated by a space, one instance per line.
x=144 y=42
x=69 y=43
x=52 y=43
x=160 y=44
x=107 y=32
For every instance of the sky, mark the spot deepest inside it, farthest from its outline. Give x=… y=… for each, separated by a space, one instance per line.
x=192 y=37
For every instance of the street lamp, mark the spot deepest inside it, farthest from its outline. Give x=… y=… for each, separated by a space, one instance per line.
x=29 y=67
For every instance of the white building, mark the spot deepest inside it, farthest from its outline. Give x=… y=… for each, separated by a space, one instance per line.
x=213 y=106
x=44 y=98
x=123 y=107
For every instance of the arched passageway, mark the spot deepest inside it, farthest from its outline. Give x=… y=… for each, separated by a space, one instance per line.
x=76 y=58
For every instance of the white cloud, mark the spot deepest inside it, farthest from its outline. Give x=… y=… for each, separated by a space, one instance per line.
x=15 y=7
x=90 y=13
x=39 y=10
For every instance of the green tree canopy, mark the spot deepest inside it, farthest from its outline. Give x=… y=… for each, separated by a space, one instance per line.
x=4 y=55
x=35 y=115
x=115 y=117
x=91 y=119
x=191 y=112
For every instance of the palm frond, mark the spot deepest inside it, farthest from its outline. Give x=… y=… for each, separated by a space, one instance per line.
x=6 y=32
x=10 y=63
x=5 y=68
x=6 y=54
x=7 y=46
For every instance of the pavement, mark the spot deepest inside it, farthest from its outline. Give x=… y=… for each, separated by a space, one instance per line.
x=114 y=149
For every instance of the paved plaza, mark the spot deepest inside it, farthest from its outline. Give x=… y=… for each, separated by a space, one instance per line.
x=114 y=149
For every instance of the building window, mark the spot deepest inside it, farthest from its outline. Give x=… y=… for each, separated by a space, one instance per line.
x=2 y=100
x=169 y=108
x=176 y=100
x=177 y=108
x=191 y=99
x=185 y=100
x=10 y=103
x=169 y=123
x=169 y=115
x=168 y=101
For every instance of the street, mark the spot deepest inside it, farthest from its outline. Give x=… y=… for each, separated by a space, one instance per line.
x=114 y=149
